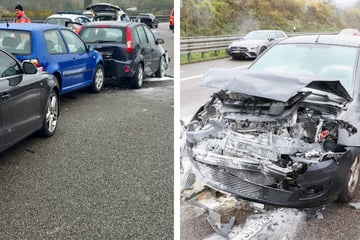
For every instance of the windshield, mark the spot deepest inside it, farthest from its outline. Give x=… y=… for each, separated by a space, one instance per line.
x=323 y=62
x=16 y=42
x=257 y=35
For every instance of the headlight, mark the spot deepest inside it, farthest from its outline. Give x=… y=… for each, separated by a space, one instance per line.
x=253 y=47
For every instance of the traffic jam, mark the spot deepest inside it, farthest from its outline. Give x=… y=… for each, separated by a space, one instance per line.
x=42 y=61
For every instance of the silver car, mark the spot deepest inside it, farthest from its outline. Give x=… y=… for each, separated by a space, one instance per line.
x=254 y=43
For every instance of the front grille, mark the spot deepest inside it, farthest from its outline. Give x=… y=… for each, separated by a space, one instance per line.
x=241 y=49
x=221 y=180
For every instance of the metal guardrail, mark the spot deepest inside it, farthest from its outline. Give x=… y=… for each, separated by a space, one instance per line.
x=204 y=44
x=192 y=45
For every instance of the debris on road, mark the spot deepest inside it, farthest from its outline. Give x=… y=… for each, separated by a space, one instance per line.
x=319 y=214
x=355 y=205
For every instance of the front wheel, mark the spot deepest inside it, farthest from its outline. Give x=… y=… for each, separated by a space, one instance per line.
x=137 y=81
x=51 y=115
x=98 y=81
x=262 y=49
x=352 y=181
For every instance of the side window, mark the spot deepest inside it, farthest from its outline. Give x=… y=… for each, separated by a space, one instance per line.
x=150 y=35
x=84 y=20
x=279 y=35
x=142 y=35
x=74 y=43
x=8 y=66
x=54 y=42
x=272 y=36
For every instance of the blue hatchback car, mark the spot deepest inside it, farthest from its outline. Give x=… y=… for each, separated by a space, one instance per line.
x=56 y=50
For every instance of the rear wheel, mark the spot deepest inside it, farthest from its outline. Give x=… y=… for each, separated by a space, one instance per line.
x=51 y=115
x=351 y=182
x=137 y=81
x=98 y=81
x=161 y=71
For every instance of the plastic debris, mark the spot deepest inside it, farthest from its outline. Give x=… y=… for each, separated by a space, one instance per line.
x=355 y=205
x=319 y=214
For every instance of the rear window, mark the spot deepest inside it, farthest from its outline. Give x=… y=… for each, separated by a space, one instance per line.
x=93 y=35
x=16 y=42
x=58 y=21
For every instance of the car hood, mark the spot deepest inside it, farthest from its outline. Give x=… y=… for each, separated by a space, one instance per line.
x=268 y=85
x=247 y=43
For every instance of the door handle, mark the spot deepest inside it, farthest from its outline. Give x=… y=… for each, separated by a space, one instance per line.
x=5 y=96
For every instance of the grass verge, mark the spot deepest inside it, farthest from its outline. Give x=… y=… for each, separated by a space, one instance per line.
x=200 y=57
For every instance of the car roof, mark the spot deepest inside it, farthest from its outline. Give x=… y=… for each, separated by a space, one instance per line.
x=71 y=16
x=30 y=26
x=266 y=30
x=334 y=39
x=112 y=23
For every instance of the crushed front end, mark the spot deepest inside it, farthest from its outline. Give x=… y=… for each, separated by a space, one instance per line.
x=269 y=151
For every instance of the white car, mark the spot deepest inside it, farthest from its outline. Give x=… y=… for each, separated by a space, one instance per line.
x=254 y=43
x=61 y=19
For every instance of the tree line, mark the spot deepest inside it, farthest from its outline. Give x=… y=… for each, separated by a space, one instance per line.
x=221 y=17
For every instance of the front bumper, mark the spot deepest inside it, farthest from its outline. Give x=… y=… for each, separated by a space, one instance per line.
x=321 y=183
x=242 y=52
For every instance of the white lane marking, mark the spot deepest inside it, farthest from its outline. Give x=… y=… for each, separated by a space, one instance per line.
x=192 y=77
x=201 y=75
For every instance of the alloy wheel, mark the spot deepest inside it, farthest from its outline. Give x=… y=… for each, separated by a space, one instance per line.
x=52 y=113
x=354 y=174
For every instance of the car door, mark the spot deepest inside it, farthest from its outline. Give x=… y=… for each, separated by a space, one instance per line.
x=58 y=58
x=20 y=112
x=145 y=48
x=82 y=64
x=155 y=51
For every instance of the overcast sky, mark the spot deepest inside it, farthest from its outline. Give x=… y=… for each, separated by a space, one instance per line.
x=345 y=3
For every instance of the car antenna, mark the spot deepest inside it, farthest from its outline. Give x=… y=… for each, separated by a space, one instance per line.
x=317 y=39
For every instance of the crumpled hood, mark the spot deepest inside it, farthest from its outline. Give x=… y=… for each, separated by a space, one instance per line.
x=247 y=43
x=269 y=85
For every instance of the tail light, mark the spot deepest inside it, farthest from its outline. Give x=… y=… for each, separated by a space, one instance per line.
x=79 y=29
x=37 y=64
x=129 y=41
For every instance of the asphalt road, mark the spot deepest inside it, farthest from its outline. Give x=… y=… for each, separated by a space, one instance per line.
x=254 y=221
x=107 y=173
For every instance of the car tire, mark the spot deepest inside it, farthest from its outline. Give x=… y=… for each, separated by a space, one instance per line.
x=235 y=57
x=98 y=81
x=137 y=80
x=51 y=115
x=161 y=71
x=262 y=49
x=351 y=183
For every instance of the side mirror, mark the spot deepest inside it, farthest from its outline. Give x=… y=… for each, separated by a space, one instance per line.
x=160 y=41
x=29 y=67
